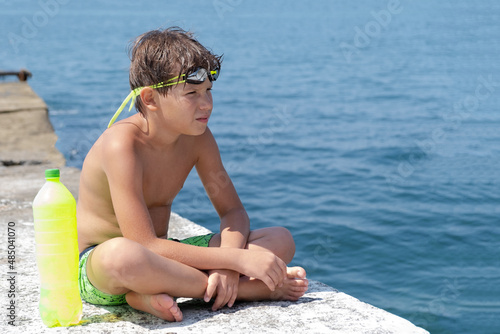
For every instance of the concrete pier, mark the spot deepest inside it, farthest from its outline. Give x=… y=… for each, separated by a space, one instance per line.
x=26 y=135
x=27 y=148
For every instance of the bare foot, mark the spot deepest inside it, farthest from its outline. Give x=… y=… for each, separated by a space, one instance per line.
x=162 y=305
x=295 y=272
x=294 y=286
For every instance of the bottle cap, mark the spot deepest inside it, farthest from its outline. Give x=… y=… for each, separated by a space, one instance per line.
x=52 y=173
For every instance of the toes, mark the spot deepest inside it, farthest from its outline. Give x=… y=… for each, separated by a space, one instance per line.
x=165 y=301
x=168 y=308
x=297 y=282
x=177 y=315
x=298 y=288
x=296 y=272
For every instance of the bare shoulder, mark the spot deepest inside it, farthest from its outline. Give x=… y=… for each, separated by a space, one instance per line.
x=205 y=145
x=209 y=161
x=120 y=144
x=118 y=138
x=115 y=145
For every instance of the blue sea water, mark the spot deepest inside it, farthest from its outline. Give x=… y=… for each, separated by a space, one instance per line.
x=370 y=129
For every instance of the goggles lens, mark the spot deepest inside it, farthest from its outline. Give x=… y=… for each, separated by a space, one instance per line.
x=200 y=75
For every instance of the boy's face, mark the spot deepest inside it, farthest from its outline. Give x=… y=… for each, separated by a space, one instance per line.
x=187 y=107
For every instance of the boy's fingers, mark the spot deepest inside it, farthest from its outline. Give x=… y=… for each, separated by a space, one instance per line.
x=269 y=282
x=279 y=272
x=233 y=297
x=282 y=267
x=274 y=278
x=229 y=294
x=283 y=270
x=223 y=296
x=219 y=302
x=210 y=291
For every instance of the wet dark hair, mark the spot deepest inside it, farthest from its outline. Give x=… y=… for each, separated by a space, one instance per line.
x=160 y=55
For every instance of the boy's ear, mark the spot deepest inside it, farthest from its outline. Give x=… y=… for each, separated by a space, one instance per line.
x=148 y=98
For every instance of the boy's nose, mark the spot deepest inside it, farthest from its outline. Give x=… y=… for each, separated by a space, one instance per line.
x=206 y=103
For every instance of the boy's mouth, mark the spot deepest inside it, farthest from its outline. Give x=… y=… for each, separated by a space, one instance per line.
x=203 y=119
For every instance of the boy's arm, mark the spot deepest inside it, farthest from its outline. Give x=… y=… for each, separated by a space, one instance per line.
x=234 y=221
x=235 y=224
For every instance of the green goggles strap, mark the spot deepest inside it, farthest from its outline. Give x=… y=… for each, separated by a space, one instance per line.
x=136 y=92
x=130 y=96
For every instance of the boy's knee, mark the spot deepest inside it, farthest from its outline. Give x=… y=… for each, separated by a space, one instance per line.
x=283 y=235
x=286 y=239
x=120 y=258
x=281 y=242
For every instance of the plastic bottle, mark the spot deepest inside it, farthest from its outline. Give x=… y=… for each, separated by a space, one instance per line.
x=54 y=213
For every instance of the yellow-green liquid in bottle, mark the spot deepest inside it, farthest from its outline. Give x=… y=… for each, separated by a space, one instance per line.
x=54 y=213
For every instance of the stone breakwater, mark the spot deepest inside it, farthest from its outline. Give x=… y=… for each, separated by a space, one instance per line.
x=27 y=148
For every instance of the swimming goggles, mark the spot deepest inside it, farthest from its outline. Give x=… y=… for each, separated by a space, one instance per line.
x=197 y=77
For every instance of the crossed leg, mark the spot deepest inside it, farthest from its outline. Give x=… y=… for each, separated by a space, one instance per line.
x=279 y=241
x=149 y=280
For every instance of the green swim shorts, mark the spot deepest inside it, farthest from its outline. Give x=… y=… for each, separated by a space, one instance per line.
x=92 y=295
x=88 y=292
x=199 y=240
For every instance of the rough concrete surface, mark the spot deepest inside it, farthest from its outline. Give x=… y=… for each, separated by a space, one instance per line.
x=26 y=135
x=321 y=310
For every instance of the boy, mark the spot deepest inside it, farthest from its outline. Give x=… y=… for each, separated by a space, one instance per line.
x=131 y=176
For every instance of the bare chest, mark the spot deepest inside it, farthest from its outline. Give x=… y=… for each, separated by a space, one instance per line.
x=164 y=177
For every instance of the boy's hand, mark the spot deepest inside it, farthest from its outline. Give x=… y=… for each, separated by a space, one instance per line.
x=225 y=283
x=265 y=266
